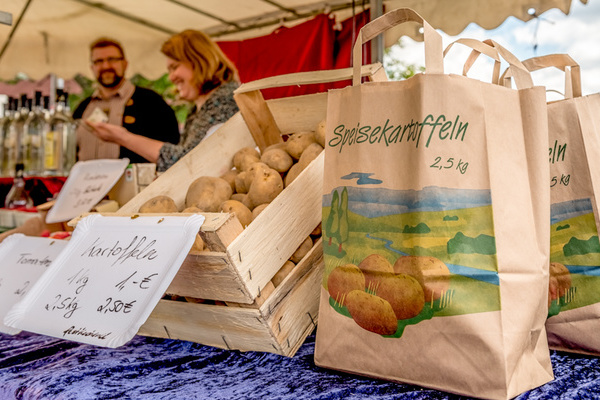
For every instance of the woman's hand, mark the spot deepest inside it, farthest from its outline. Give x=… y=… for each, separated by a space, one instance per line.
x=108 y=132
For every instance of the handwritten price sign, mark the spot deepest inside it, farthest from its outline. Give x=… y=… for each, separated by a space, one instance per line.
x=87 y=184
x=108 y=279
x=24 y=260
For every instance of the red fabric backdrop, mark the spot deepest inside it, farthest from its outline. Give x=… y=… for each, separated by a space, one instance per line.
x=311 y=46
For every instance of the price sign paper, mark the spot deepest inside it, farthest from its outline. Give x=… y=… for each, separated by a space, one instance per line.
x=24 y=260
x=108 y=279
x=87 y=184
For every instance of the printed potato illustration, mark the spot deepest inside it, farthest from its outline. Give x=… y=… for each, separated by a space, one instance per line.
x=373 y=267
x=560 y=282
x=344 y=279
x=430 y=272
x=403 y=292
x=371 y=312
x=159 y=204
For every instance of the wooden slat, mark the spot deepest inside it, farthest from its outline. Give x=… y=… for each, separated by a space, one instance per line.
x=302 y=114
x=220 y=230
x=218 y=326
x=311 y=77
x=209 y=275
x=270 y=240
x=259 y=119
x=292 y=312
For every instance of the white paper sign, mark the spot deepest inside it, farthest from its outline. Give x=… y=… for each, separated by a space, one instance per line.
x=108 y=279
x=87 y=184
x=24 y=260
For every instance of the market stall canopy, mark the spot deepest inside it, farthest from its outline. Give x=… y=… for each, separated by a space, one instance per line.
x=52 y=36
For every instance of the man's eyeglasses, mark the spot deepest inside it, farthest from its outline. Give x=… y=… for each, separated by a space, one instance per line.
x=110 y=60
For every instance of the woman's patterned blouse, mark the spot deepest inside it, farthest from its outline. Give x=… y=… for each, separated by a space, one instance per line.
x=218 y=108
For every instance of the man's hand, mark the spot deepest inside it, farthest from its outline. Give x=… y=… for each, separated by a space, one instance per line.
x=108 y=132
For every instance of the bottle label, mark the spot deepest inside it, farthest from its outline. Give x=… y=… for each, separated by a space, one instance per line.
x=51 y=151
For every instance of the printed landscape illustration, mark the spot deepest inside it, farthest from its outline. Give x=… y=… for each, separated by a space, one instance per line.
x=574 y=256
x=394 y=258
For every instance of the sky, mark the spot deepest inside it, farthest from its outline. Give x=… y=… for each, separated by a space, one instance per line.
x=576 y=34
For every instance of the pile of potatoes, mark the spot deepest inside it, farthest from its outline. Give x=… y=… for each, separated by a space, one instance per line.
x=255 y=180
x=377 y=294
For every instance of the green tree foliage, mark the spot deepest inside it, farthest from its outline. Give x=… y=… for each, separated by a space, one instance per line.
x=397 y=69
x=332 y=226
x=421 y=227
x=578 y=247
x=482 y=244
x=343 y=217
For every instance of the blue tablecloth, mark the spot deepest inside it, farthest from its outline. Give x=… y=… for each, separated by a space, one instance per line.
x=40 y=367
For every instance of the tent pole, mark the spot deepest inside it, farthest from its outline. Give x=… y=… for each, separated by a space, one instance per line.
x=376 y=43
x=14 y=29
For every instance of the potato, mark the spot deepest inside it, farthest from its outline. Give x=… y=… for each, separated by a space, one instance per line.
x=317 y=231
x=207 y=193
x=292 y=174
x=278 y=159
x=299 y=141
x=280 y=145
x=430 y=272
x=239 y=209
x=198 y=243
x=562 y=279
x=250 y=173
x=159 y=204
x=373 y=266
x=320 y=133
x=266 y=185
x=302 y=250
x=190 y=210
x=371 y=312
x=239 y=197
x=283 y=272
x=309 y=154
x=244 y=157
x=258 y=209
x=246 y=201
x=404 y=293
x=229 y=176
x=344 y=279
x=240 y=182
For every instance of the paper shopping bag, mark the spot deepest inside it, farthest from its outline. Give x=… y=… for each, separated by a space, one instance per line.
x=574 y=155
x=435 y=228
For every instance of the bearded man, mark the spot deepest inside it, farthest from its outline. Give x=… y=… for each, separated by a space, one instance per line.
x=139 y=110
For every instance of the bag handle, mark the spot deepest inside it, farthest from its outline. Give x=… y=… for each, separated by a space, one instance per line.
x=517 y=69
x=565 y=63
x=254 y=108
x=479 y=48
x=434 y=63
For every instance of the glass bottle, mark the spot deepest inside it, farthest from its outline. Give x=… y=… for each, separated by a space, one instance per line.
x=69 y=138
x=17 y=196
x=34 y=127
x=60 y=127
x=14 y=143
x=9 y=114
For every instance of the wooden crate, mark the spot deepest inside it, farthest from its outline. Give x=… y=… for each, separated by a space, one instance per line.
x=240 y=263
